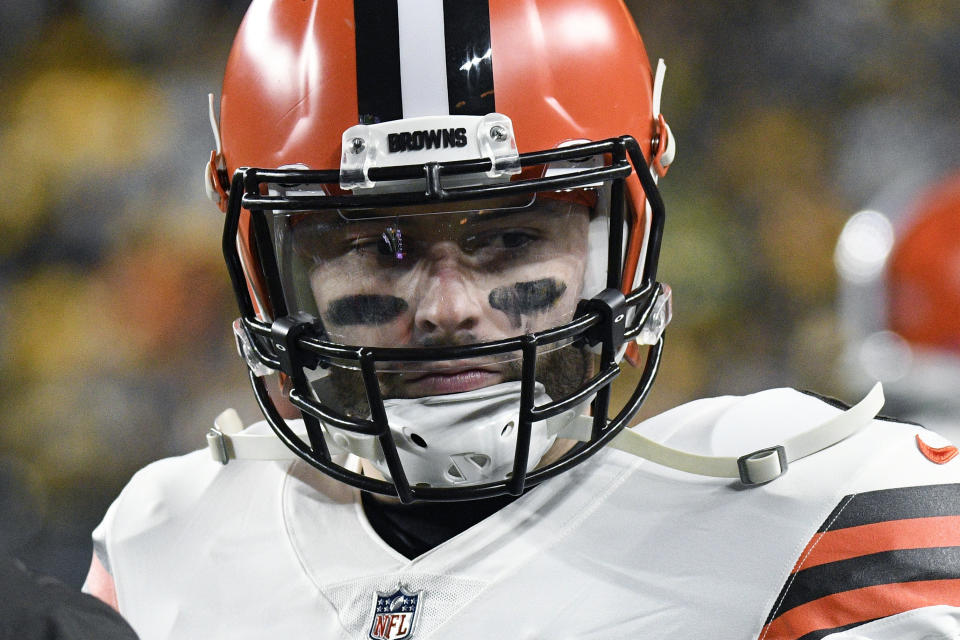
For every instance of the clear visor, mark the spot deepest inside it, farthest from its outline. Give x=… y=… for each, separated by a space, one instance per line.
x=447 y=275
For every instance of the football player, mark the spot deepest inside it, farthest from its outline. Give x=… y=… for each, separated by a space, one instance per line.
x=899 y=265
x=442 y=226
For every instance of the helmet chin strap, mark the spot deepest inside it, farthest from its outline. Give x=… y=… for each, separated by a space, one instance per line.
x=443 y=441
x=468 y=438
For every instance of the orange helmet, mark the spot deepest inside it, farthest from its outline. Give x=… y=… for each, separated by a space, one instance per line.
x=923 y=278
x=381 y=163
x=899 y=262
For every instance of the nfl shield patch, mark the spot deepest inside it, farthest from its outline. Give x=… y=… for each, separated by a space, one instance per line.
x=394 y=614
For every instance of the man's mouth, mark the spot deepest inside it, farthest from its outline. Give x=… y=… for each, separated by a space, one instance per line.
x=450 y=380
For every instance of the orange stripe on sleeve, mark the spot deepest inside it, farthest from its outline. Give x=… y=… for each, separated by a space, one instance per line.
x=860 y=605
x=912 y=533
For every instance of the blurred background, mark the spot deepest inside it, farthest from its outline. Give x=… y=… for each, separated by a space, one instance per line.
x=115 y=306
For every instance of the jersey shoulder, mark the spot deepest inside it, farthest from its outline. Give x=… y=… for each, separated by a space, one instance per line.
x=189 y=490
x=887 y=549
x=882 y=452
x=165 y=488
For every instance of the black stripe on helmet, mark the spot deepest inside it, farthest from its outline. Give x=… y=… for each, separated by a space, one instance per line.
x=469 y=57
x=378 y=61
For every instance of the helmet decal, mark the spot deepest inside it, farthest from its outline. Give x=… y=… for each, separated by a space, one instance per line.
x=469 y=57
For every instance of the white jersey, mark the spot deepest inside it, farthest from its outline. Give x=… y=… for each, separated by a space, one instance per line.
x=618 y=547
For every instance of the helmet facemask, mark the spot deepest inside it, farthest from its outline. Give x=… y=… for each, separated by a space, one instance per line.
x=453 y=334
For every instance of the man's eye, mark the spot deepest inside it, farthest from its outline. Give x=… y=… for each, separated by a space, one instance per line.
x=371 y=245
x=515 y=239
x=499 y=240
x=366 y=244
x=389 y=243
x=384 y=248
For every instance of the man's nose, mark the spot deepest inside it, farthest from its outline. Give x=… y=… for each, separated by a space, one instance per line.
x=450 y=304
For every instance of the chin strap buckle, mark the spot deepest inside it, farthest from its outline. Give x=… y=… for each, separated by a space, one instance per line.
x=227 y=440
x=217 y=446
x=226 y=424
x=762 y=465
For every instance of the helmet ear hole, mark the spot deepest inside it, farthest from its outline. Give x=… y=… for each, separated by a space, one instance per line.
x=507 y=429
x=417 y=440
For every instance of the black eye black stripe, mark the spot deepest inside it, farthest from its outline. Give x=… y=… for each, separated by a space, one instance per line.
x=523 y=298
x=365 y=309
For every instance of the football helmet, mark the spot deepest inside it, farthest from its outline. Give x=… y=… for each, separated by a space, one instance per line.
x=442 y=228
x=899 y=267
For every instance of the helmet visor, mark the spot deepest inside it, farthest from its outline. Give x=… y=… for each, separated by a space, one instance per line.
x=445 y=275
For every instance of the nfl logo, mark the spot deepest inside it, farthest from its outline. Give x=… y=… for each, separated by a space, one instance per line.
x=394 y=614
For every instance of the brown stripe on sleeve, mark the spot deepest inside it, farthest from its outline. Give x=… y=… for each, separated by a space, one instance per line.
x=851 y=608
x=878 y=554
x=830 y=546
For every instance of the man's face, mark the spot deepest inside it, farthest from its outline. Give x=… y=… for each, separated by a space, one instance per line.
x=399 y=279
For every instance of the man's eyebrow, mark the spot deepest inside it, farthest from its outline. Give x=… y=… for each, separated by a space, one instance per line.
x=494 y=214
x=533 y=208
x=323 y=222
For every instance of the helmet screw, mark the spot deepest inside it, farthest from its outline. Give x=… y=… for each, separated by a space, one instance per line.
x=358 y=145
x=498 y=133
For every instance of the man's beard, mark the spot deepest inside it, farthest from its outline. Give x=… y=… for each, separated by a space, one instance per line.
x=561 y=372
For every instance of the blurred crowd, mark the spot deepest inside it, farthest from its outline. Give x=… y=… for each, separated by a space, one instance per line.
x=115 y=344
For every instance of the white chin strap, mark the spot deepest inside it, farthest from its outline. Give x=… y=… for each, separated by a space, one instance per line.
x=480 y=448
x=442 y=441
